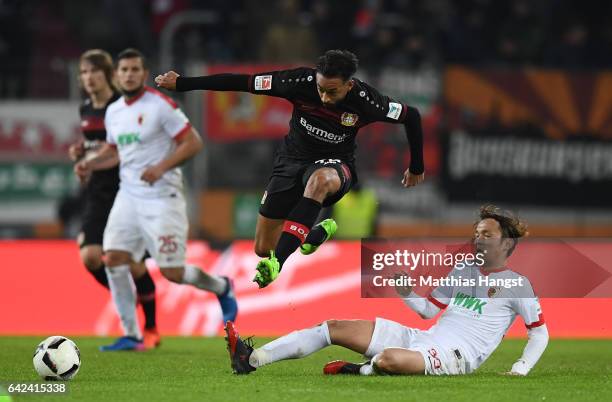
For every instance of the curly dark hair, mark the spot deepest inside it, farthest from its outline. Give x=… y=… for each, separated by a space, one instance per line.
x=511 y=226
x=338 y=63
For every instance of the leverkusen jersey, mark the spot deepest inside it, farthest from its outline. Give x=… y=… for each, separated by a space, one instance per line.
x=144 y=130
x=93 y=129
x=317 y=131
x=477 y=317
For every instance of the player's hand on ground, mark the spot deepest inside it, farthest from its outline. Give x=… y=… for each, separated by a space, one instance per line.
x=152 y=174
x=513 y=373
x=403 y=291
x=76 y=151
x=411 y=180
x=167 y=80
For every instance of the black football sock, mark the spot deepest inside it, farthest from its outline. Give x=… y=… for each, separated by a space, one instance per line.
x=296 y=228
x=317 y=236
x=145 y=287
x=100 y=276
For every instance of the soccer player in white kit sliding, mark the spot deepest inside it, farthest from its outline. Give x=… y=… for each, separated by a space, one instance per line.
x=475 y=320
x=151 y=137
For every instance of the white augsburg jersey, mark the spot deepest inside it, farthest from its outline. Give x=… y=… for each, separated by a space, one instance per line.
x=144 y=130
x=477 y=317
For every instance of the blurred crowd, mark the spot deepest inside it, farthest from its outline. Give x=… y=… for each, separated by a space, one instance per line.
x=39 y=37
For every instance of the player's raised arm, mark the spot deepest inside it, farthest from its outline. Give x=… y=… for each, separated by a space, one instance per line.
x=280 y=84
x=217 y=82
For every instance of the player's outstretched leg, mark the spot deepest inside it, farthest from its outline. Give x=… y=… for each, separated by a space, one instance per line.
x=320 y=233
x=221 y=286
x=239 y=351
x=227 y=300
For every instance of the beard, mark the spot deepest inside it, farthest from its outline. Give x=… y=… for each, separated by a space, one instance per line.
x=133 y=92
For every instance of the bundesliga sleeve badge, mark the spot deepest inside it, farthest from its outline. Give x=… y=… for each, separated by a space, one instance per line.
x=263 y=82
x=348 y=119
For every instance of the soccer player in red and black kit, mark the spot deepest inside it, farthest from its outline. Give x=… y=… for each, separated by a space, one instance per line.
x=314 y=167
x=96 y=79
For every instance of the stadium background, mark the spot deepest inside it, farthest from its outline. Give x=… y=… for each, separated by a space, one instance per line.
x=516 y=99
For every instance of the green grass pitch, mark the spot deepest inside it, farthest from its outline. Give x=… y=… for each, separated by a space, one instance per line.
x=197 y=369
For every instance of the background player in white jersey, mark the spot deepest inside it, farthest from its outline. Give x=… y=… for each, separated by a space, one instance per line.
x=96 y=80
x=465 y=335
x=151 y=137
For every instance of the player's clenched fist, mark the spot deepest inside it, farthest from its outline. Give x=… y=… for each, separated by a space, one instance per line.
x=167 y=80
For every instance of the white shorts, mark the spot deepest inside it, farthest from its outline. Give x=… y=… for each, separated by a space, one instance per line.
x=158 y=225
x=438 y=360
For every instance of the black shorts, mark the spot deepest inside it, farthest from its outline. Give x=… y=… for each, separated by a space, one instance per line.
x=95 y=215
x=288 y=182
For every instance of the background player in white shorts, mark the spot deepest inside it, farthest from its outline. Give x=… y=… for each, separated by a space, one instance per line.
x=151 y=137
x=471 y=328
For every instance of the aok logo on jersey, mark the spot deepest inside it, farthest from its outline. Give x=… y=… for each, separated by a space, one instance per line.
x=128 y=139
x=469 y=302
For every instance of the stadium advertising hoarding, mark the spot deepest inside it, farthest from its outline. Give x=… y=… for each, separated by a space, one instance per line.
x=528 y=136
x=312 y=289
x=492 y=166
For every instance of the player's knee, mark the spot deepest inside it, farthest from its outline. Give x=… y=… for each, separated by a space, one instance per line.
x=173 y=274
x=388 y=362
x=322 y=183
x=334 y=328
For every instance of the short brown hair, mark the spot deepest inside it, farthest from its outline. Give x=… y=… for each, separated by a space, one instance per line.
x=102 y=60
x=510 y=225
x=131 y=53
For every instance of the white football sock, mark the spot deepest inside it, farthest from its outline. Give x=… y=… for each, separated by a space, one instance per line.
x=295 y=345
x=195 y=276
x=123 y=292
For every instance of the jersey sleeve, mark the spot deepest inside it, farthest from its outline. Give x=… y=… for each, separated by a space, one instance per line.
x=442 y=295
x=379 y=107
x=527 y=305
x=282 y=84
x=174 y=121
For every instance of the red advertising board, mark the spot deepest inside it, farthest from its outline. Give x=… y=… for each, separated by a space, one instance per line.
x=44 y=289
x=232 y=116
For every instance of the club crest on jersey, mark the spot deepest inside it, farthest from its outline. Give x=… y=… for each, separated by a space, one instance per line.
x=140 y=119
x=492 y=292
x=263 y=82
x=348 y=119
